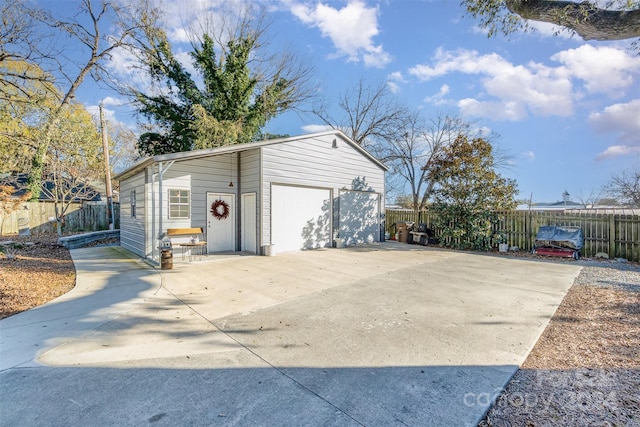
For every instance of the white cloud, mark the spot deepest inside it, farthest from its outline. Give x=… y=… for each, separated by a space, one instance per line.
x=315 y=128
x=126 y=67
x=545 y=29
x=513 y=91
x=603 y=69
x=181 y=17
x=618 y=150
x=439 y=98
x=109 y=115
x=529 y=155
x=111 y=101
x=505 y=110
x=351 y=30
x=185 y=59
x=461 y=60
x=394 y=80
x=624 y=118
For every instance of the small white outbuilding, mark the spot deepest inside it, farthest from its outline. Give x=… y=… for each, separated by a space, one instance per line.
x=304 y=192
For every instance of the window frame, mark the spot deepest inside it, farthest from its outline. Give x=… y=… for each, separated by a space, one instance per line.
x=184 y=201
x=133 y=202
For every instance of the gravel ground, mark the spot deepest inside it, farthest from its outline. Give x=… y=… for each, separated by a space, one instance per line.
x=585 y=368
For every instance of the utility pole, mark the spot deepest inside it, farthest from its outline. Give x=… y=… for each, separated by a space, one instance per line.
x=107 y=170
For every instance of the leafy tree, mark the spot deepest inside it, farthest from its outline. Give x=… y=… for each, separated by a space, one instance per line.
x=24 y=103
x=625 y=188
x=74 y=161
x=20 y=51
x=98 y=28
x=243 y=88
x=412 y=152
x=466 y=193
x=608 y=20
x=122 y=146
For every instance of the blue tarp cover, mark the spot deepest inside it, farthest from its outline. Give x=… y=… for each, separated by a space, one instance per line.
x=564 y=237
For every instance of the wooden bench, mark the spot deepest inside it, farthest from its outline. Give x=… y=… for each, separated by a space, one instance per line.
x=189 y=239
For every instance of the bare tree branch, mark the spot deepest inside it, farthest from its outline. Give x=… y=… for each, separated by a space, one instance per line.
x=591 y=20
x=87 y=28
x=370 y=114
x=625 y=188
x=587 y=20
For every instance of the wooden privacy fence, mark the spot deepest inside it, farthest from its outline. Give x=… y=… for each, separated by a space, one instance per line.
x=617 y=235
x=37 y=216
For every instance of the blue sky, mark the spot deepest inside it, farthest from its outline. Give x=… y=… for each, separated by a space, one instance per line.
x=568 y=111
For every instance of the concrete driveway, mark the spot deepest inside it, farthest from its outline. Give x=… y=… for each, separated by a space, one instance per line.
x=390 y=334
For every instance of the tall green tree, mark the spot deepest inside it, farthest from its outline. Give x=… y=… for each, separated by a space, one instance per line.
x=467 y=191
x=238 y=89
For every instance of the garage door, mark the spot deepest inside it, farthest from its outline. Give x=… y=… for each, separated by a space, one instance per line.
x=359 y=217
x=300 y=218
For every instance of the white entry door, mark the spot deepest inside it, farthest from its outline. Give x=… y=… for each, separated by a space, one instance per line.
x=221 y=229
x=249 y=215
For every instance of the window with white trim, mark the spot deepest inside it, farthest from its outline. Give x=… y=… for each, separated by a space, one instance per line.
x=179 y=204
x=132 y=200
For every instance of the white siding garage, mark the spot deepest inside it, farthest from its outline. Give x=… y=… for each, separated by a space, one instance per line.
x=359 y=217
x=300 y=218
x=284 y=194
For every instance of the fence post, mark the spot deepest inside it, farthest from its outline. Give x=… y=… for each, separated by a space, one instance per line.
x=612 y=236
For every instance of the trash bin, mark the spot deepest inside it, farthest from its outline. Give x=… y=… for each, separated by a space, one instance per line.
x=166 y=259
x=403 y=231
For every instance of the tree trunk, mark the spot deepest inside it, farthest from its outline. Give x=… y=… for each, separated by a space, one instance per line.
x=586 y=19
x=34 y=181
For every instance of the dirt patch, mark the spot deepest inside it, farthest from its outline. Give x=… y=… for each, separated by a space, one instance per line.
x=585 y=368
x=33 y=270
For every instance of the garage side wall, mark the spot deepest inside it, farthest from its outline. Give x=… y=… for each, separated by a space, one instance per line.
x=316 y=162
x=199 y=176
x=250 y=183
x=132 y=234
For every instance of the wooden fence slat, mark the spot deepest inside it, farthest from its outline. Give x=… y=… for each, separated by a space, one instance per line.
x=79 y=217
x=618 y=235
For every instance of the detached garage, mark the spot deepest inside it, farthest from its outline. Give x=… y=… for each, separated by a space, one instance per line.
x=306 y=192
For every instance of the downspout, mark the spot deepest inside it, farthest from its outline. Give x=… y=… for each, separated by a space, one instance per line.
x=160 y=172
x=153 y=213
x=239 y=210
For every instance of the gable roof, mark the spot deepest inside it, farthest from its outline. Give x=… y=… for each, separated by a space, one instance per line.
x=206 y=152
